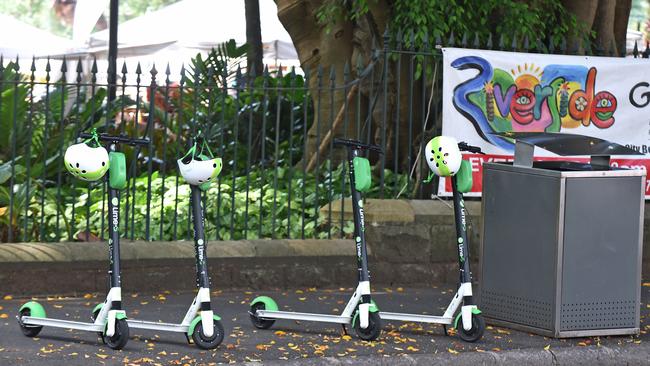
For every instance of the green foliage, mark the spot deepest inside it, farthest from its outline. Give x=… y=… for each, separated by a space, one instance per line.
x=260 y=210
x=427 y=19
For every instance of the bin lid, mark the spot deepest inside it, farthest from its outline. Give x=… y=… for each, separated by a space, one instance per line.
x=567 y=144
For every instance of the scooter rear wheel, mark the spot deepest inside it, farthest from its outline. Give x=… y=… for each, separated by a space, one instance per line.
x=121 y=336
x=258 y=322
x=476 y=332
x=28 y=330
x=204 y=342
x=373 y=330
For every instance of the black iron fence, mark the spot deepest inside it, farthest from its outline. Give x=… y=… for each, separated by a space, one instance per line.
x=282 y=177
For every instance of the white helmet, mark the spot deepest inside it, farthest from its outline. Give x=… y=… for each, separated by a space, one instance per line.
x=443 y=156
x=86 y=162
x=200 y=169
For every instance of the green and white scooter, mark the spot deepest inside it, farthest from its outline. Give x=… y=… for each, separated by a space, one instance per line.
x=360 y=312
x=199 y=323
x=443 y=154
x=90 y=161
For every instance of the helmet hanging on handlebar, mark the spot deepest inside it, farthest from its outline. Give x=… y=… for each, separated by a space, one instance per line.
x=443 y=156
x=87 y=160
x=197 y=168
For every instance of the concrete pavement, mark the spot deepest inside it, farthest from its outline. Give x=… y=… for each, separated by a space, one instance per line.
x=304 y=343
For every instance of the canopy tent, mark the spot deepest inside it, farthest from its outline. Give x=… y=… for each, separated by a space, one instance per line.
x=203 y=24
x=23 y=40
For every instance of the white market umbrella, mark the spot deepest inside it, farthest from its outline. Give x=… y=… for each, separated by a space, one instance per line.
x=203 y=24
x=23 y=40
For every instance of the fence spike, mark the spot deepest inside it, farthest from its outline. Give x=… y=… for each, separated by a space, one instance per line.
x=489 y=41
x=252 y=74
x=576 y=47
x=332 y=73
x=514 y=43
x=279 y=74
x=526 y=43
x=646 y=52
x=32 y=68
x=138 y=69
x=2 y=61
x=319 y=74
x=438 y=40
x=425 y=42
x=502 y=42
x=539 y=45
x=452 y=39
x=477 y=40
x=346 y=70
x=64 y=65
x=563 y=45
x=79 y=70
x=167 y=70
x=359 y=64
x=463 y=42
x=93 y=68
x=412 y=40
x=386 y=39
x=588 y=49
x=153 y=72
x=635 y=51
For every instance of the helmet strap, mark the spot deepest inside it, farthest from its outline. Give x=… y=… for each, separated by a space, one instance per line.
x=94 y=137
x=429 y=178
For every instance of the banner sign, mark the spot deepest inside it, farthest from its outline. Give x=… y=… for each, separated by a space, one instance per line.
x=491 y=91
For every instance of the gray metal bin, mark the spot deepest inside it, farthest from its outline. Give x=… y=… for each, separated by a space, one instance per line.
x=561 y=244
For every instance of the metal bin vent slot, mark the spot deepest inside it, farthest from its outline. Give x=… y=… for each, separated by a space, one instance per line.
x=598 y=315
x=517 y=309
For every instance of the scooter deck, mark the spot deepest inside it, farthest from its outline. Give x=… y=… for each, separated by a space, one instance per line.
x=60 y=323
x=165 y=327
x=415 y=318
x=270 y=314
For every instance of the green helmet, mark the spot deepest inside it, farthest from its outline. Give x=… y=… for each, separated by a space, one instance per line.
x=86 y=162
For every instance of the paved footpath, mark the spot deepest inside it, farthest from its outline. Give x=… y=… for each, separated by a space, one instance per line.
x=303 y=343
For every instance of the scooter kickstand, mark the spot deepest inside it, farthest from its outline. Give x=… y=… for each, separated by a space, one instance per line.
x=444 y=327
x=345 y=330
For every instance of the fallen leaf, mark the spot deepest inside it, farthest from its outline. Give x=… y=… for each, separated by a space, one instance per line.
x=412 y=349
x=547 y=347
x=8 y=297
x=346 y=337
x=582 y=344
x=452 y=351
x=4 y=316
x=280 y=333
x=88 y=296
x=58 y=306
x=496 y=349
x=646 y=284
x=502 y=331
x=103 y=357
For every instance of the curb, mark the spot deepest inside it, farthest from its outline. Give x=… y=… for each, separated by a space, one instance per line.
x=593 y=356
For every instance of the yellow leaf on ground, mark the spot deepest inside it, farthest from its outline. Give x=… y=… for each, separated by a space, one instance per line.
x=547 y=347
x=8 y=297
x=502 y=331
x=88 y=296
x=1 y=308
x=263 y=347
x=646 y=284
x=496 y=349
x=58 y=306
x=346 y=337
x=4 y=316
x=400 y=289
x=280 y=333
x=582 y=344
x=412 y=349
x=452 y=351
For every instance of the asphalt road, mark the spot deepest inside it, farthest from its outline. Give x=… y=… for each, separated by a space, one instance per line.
x=286 y=340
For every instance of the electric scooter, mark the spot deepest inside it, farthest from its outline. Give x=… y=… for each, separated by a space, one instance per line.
x=110 y=321
x=199 y=323
x=472 y=325
x=360 y=312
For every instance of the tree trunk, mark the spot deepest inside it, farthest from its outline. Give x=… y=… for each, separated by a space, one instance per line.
x=254 y=36
x=623 y=8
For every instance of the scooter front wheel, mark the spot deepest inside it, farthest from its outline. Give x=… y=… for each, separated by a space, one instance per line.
x=28 y=330
x=373 y=330
x=258 y=322
x=121 y=336
x=475 y=332
x=204 y=342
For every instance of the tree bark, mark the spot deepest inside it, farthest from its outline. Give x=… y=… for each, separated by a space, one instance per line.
x=254 y=36
x=623 y=8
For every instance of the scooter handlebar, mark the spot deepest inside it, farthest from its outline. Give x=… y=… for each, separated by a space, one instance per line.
x=463 y=146
x=358 y=144
x=118 y=139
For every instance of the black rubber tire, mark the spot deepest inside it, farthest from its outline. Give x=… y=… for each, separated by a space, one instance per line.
x=260 y=323
x=93 y=317
x=373 y=330
x=28 y=330
x=208 y=343
x=121 y=336
x=475 y=333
